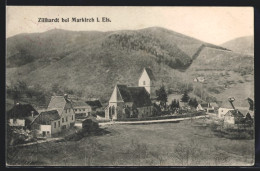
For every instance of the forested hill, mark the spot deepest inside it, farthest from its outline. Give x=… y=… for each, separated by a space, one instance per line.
x=89 y=63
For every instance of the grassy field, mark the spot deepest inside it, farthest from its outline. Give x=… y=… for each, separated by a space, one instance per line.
x=187 y=143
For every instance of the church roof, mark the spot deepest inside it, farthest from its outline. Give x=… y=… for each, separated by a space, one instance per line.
x=138 y=95
x=150 y=73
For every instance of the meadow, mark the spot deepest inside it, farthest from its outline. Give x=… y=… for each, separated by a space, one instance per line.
x=187 y=143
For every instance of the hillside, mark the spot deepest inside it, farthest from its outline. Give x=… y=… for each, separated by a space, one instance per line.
x=243 y=45
x=89 y=63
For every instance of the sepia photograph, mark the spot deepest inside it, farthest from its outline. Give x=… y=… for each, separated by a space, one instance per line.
x=129 y=86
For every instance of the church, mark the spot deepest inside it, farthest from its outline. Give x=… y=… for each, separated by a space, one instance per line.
x=132 y=102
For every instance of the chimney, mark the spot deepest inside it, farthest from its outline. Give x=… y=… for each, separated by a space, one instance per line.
x=32 y=113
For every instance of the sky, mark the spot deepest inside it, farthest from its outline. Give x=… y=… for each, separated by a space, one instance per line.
x=210 y=24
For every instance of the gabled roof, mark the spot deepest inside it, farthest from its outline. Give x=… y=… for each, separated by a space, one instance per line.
x=150 y=73
x=20 y=111
x=235 y=113
x=94 y=103
x=124 y=92
x=59 y=102
x=213 y=104
x=46 y=117
x=138 y=95
x=79 y=104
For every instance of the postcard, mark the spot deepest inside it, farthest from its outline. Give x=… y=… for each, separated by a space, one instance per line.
x=129 y=86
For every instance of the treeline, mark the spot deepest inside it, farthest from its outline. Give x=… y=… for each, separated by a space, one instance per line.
x=168 y=54
x=20 y=91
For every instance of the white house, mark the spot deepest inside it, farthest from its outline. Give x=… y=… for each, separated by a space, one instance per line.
x=199 y=108
x=199 y=79
x=146 y=80
x=233 y=117
x=81 y=109
x=223 y=111
x=65 y=109
x=47 y=123
x=21 y=115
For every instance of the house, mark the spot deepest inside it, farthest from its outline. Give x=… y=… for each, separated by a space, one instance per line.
x=199 y=79
x=21 y=115
x=199 y=108
x=81 y=109
x=223 y=111
x=126 y=102
x=94 y=104
x=214 y=105
x=47 y=123
x=147 y=80
x=65 y=109
x=207 y=107
x=233 y=117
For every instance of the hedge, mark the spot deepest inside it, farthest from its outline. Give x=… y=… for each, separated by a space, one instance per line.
x=164 y=117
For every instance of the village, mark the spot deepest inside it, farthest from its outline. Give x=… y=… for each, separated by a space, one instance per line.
x=127 y=104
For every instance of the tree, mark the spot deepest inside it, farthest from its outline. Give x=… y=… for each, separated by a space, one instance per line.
x=173 y=104
x=185 y=97
x=177 y=104
x=162 y=96
x=193 y=102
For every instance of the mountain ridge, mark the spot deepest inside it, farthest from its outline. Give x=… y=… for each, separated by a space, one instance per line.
x=91 y=62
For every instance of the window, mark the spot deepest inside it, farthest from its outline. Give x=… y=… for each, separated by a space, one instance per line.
x=54 y=124
x=67 y=119
x=59 y=123
x=69 y=110
x=75 y=109
x=48 y=132
x=83 y=109
x=144 y=83
x=79 y=109
x=66 y=110
x=62 y=120
x=72 y=117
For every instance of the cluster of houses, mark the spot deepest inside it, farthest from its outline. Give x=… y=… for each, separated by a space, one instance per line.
x=228 y=115
x=61 y=113
x=125 y=102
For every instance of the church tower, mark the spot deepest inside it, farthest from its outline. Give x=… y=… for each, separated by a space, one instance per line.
x=146 y=80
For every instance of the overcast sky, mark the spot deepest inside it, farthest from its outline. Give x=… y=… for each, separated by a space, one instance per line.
x=211 y=24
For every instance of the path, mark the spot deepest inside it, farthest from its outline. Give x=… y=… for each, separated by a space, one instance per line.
x=150 y=121
x=39 y=142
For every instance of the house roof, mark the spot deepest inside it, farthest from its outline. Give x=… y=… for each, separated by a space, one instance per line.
x=20 y=111
x=45 y=117
x=94 y=103
x=213 y=104
x=59 y=102
x=150 y=73
x=204 y=105
x=79 y=103
x=138 y=95
x=235 y=113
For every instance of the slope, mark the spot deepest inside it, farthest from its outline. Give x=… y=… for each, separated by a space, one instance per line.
x=243 y=45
